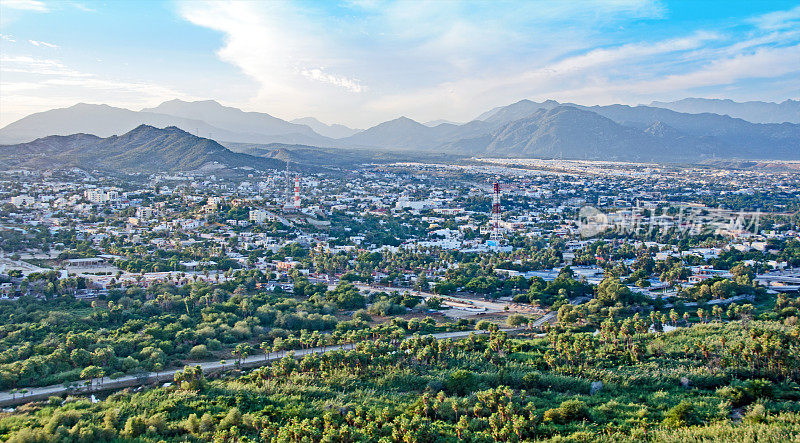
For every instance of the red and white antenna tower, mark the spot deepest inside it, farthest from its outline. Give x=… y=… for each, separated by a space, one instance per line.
x=297 y=192
x=495 y=234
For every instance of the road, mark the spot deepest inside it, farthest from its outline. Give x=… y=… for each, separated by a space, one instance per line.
x=42 y=393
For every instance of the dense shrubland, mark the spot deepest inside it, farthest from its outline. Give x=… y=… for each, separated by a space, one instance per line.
x=677 y=386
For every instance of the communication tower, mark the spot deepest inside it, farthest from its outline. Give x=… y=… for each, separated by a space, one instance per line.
x=496 y=209
x=297 y=192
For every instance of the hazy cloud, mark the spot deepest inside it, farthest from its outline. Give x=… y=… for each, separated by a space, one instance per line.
x=320 y=75
x=45 y=44
x=384 y=49
x=83 y=7
x=779 y=20
x=58 y=85
x=25 y=5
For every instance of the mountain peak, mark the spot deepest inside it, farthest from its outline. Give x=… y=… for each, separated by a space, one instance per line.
x=332 y=130
x=178 y=104
x=149 y=130
x=401 y=121
x=407 y=120
x=515 y=111
x=82 y=105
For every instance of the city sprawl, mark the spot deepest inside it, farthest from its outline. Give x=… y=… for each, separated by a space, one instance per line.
x=583 y=296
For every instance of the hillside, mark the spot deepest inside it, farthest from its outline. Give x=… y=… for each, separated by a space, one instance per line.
x=736 y=138
x=144 y=149
x=568 y=132
x=334 y=157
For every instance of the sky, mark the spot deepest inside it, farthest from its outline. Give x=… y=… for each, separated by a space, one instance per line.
x=361 y=62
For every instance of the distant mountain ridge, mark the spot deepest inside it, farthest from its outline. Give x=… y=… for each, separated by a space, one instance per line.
x=332 y=131
x=522 y=129
x=206 y=118
x=752 y=111
x=619 y=132
x=551 y=133
x=236 y=121
x=145 y=149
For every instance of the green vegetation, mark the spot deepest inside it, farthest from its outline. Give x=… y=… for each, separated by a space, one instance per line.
x=712 y=382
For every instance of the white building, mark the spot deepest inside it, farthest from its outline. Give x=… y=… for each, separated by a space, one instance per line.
x=22 y=200
x=101 y=195
x=145 y=213
x=261 y=216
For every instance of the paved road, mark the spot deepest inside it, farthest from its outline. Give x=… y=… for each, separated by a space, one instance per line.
x=547 y=317
x=9 y=399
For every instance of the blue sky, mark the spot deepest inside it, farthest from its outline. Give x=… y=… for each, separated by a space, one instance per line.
x=361 y=62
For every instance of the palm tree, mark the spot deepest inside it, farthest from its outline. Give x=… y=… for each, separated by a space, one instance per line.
x=266 y=347
x=242 y=350
x=90 y=373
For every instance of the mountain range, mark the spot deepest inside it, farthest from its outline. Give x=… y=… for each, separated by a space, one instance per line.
x=616 y=132
x=144 y=149
x=754 y=111
x=203 y=118
x=523 y=129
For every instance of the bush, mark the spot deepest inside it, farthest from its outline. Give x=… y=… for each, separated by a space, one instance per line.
x=199 y=351
x=361 y=315
x=745 y=393
x=569 y=411
x=516 y=320
x=385 y=308
x=410 y=301
x=233 y=418
x=483 y=325
x=460 y=382
x=134 y=427
x=434 y=303
x=574 y=410
x=522 y=298
x=756 y=413
x=682 y=414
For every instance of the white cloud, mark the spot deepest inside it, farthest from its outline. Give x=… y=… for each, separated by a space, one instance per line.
x=33 y=84
x=778 y=20
x=26 y=5
x=7 y=38
x=763 y=63
x=372 y=50
x=597 y=68
x=44 y=44
x=320 y=75
x=36 y=66
x=82 y=7
x=366 y=61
